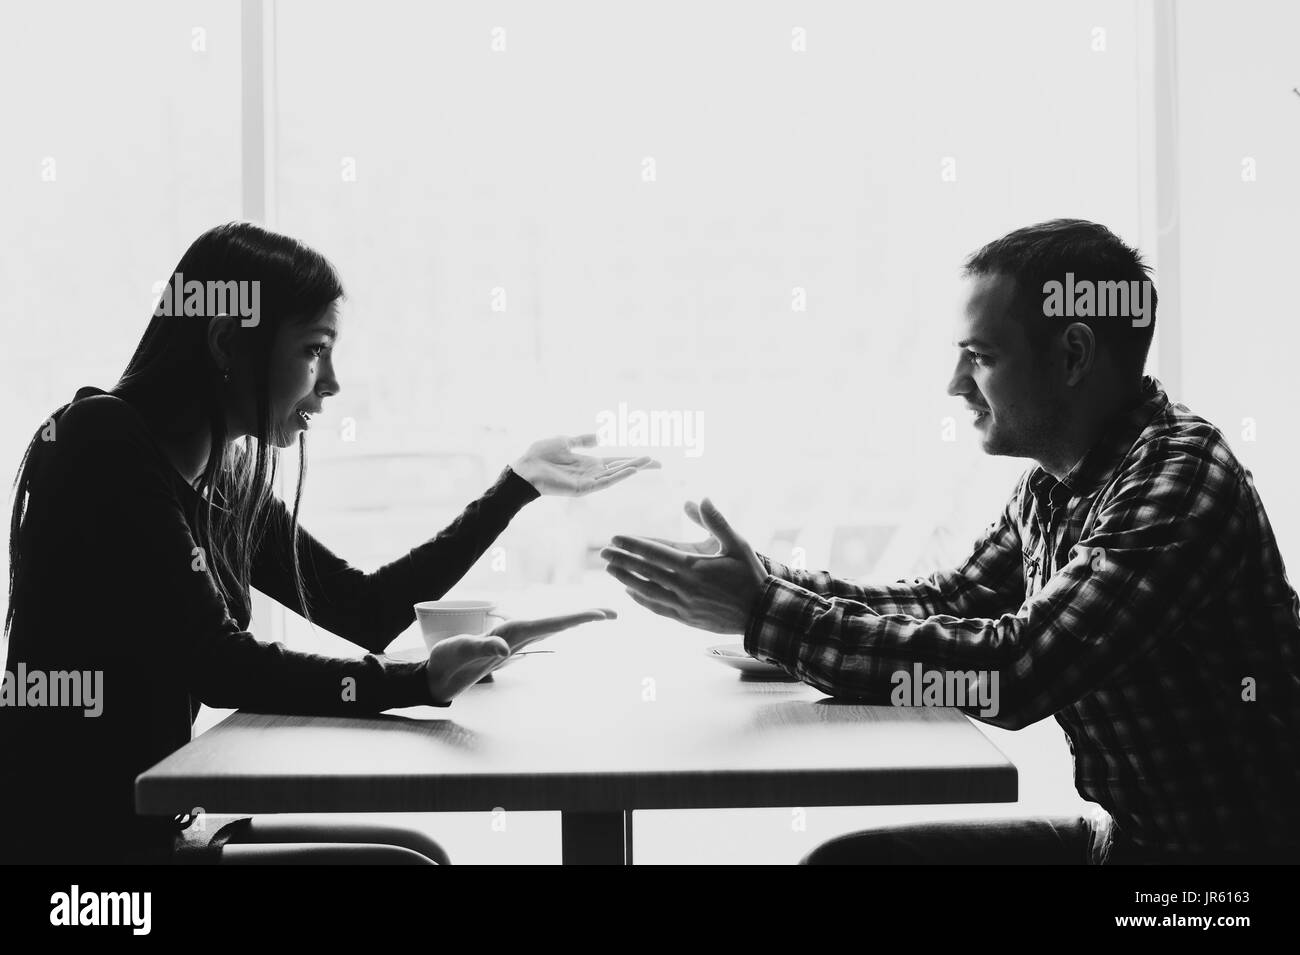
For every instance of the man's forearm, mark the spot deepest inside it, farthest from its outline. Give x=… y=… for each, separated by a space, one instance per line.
x=920 y=597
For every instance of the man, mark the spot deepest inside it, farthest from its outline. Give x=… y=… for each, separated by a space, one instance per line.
x=1132 y=586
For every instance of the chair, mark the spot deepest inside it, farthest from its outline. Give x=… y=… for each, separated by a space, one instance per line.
x=305 y=839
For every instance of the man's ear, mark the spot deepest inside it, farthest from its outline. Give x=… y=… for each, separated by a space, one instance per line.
x=221 y=340
x=1080 y=349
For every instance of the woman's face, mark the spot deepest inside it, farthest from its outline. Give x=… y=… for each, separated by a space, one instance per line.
x=301 y=374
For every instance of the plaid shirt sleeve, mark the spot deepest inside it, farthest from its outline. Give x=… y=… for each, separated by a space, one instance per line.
x=989 y=582
x=1162 y=545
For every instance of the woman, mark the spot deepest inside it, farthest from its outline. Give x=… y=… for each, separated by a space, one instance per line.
x=133 y=547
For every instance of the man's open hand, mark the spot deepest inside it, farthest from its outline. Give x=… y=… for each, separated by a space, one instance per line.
x=711 y=585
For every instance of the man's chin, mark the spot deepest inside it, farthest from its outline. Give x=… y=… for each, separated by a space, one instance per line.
x=1001 y=449
x=992 y=443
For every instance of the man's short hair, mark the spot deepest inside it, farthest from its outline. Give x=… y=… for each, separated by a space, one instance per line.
x=1071 y=252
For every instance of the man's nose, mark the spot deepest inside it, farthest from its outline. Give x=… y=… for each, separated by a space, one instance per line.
x=960 y=384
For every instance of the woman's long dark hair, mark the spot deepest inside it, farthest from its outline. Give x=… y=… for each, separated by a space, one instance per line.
x=174 y=383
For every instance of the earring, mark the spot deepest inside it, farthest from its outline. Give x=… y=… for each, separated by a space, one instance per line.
x=225 y=375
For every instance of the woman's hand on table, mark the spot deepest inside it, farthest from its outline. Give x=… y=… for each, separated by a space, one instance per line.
x=457 y=663
x=551 y=467
x=520 y=633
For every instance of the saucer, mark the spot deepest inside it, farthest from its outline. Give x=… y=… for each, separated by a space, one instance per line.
x=734 y=656
x=420 y=654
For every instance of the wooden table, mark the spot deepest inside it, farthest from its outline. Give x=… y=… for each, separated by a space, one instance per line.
x=613 y=718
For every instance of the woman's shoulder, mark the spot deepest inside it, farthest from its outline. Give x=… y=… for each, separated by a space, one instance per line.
x=98 y=417
x=104 y=426
x=98 y=405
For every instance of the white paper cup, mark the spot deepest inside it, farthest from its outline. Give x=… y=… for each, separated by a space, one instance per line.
x=440 y=619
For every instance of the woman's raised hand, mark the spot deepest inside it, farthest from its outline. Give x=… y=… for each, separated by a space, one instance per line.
x=551 y=467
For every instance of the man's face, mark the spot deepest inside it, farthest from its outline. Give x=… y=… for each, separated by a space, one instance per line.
x=1020 y=404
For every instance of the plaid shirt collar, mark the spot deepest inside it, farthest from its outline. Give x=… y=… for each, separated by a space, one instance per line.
x=1097 y=467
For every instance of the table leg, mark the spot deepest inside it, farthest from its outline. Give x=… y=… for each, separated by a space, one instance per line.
x=596 y=838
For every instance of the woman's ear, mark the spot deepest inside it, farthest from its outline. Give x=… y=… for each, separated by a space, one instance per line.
x=221 y=341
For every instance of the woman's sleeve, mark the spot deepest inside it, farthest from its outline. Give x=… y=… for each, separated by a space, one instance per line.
x=372 y=609
x=180 y=621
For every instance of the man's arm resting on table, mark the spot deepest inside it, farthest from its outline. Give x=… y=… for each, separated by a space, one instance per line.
x=1166 y=538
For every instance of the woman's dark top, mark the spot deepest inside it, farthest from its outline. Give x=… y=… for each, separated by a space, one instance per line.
x=117 y=586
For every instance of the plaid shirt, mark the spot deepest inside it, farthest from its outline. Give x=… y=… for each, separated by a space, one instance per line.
x=1141 y=601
